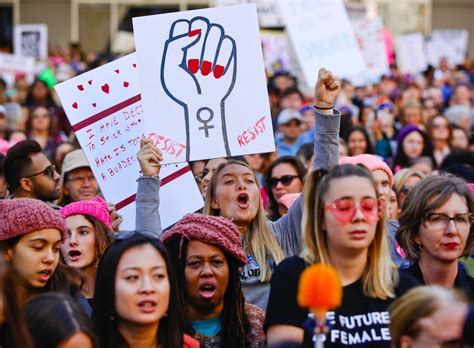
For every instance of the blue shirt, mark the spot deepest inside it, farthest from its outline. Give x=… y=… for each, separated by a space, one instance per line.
x=210 y=327
x=287 y=149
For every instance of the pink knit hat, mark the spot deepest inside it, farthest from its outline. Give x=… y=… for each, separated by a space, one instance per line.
x=21 y=216
x=371 y=162
x=215 y=230
x=95 y=207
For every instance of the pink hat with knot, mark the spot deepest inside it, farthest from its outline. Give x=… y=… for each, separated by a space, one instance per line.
x=95 y=207
x=20 y=216
x=215 y=230
x=372 y=163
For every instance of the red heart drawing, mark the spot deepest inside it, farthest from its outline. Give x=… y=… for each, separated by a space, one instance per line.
x=105 y=88
x=89 y=82
x=74 y=105
x=117 y=71
x=125 y=84
x=80 y=87
x=94 y=104
x=134 y=65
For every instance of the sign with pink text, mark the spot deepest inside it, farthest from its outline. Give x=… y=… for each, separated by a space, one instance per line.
x=105 y=110
x=202 y=78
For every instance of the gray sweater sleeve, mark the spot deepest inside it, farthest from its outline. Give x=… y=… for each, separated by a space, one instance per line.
x=147 y=202
x=326 y=154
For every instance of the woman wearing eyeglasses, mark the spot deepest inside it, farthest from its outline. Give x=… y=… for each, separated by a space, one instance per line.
x=283 y=176
x=342 y=227
x=233 y=192
x=436 y=230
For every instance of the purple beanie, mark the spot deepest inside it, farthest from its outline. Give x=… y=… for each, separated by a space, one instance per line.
x=215 y=230
x=20 y=216
x=405 y=131
x=95 y=207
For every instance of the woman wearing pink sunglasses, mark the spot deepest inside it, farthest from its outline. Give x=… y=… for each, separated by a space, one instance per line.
x=341 y=227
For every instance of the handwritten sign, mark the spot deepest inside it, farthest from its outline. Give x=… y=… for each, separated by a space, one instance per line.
x=31 y=40
x=411 y=56
x=370 y=37
x=105 y=110
x=11 y=65
x=276 y=50
x=447 y=43
x=202 y=73
x=322 y=36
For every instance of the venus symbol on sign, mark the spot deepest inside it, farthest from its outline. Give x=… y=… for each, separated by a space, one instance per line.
x=205 y=127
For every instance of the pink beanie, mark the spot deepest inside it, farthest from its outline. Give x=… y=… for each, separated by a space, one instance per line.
x=471 y=187
x=371 y=162
x=20 y=216
x=215 y=230
x=95 y=207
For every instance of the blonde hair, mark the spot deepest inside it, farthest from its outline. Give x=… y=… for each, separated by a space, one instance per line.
x=380 y=274
x=259 y=241
x=416 y=304
x=401 y=177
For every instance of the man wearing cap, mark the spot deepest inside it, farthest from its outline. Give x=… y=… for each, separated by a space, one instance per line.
x=289 y=125
x=30 y=174
x=78 y=183
x=77 y=180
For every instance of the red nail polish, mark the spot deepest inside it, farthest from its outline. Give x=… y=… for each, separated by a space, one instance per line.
x=218 y=71
x=206 y=67
x=193 y=65
x=194 y=32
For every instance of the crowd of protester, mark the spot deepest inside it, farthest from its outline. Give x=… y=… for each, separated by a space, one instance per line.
x=375 y=180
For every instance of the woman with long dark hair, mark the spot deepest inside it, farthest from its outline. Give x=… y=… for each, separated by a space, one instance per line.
x=55 y=320
x=413 y=143
x=135 y=302
x=207 y=253
x=13 y=330
x=283 y=176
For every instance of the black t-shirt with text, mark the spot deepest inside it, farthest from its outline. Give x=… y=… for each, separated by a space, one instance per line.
x=360 y=321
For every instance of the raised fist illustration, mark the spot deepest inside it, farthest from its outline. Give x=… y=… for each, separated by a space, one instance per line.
x=198 y=71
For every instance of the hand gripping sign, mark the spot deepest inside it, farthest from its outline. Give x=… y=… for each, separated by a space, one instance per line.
x=203 y=77
x=198 y=72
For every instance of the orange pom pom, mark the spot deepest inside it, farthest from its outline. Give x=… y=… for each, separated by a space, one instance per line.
x=319 y=288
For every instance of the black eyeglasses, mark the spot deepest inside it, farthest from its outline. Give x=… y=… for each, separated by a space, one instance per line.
x=122 y=235
x=48 y=171
x=285 y=180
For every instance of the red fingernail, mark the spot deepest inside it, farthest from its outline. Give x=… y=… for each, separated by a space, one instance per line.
x=206 y=67
x=218 y=71
x=194 y=32
x=193 y=65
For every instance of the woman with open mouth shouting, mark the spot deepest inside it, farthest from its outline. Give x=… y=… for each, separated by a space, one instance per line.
x=342 y=226
x=207 y=253
x=135 y=299
x=233 y=193
x=88 y=224
x=31 y=234
x=436 y=229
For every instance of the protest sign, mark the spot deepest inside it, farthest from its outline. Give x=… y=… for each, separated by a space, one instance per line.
x=202 y=74
x=268 y=11
x=105 y=110
x=447 y=43
x=31 y=40
x=322 y=36
x=411 y=55
x=12 y=65
x=369 y=34
x=276 y=51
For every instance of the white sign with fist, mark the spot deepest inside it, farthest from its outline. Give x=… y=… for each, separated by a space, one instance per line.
x=203 y=81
